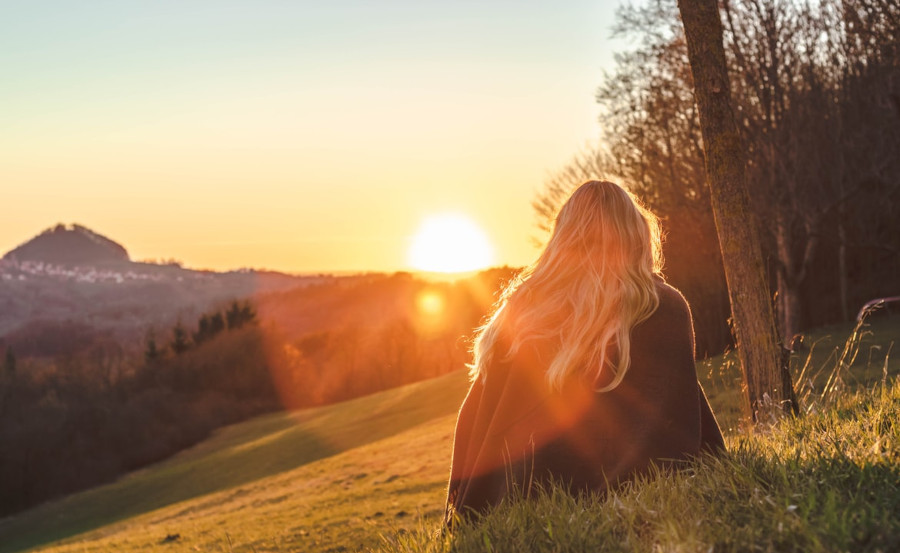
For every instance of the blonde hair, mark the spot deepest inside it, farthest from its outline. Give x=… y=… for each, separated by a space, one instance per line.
x=593 y=282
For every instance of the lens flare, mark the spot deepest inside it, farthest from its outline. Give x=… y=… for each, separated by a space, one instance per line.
x=430 y=303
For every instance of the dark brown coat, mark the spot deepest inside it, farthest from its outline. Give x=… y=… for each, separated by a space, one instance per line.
x=513 y=430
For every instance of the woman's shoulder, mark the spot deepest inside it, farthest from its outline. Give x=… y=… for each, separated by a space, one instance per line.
x=670 y=298
x=671 y=318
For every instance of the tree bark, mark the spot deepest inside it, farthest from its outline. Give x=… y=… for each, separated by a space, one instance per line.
x=767 y=383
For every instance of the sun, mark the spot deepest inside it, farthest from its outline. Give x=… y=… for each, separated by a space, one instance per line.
x=450 y=243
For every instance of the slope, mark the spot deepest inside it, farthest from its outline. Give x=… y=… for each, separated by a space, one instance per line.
x=238 y=455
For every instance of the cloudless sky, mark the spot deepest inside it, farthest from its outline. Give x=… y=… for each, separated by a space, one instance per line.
x=291 y=135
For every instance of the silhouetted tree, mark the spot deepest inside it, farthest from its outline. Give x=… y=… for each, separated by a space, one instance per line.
x=204 y=331
x=216 y=323
x=151 y=351
x=239 y=314
x=248 y=314
x=9 y=361
x=179 y=342
x=211 y=324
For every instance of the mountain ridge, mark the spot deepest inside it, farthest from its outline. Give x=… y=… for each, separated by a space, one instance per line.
x=69 y=245
x=72 y=273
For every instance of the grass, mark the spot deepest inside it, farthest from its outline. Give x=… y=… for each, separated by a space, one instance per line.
x=856 y=355
x=241 y=457
x=341 y=503
x=372 y=472
x=826 y=482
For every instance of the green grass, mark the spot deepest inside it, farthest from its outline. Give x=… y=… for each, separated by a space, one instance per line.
x=826 y=481
x=340 y=503
x=241 y=455
x=867 y=358
x=829 y=481
x=372 y=473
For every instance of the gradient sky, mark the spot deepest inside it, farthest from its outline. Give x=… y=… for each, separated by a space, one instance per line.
x=291 y=135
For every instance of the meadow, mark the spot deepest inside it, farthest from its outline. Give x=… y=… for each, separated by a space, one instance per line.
x=370 y=474
x=826 y=482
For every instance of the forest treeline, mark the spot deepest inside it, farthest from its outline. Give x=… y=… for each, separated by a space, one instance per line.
x=78 y=408
x=816 y=89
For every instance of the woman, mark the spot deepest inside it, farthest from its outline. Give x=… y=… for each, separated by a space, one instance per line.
x=585 y=372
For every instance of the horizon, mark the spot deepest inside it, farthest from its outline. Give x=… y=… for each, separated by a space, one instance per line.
x=435 y=275
x=299 y=138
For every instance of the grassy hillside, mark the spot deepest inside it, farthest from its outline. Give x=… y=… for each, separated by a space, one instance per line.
x=337 y=478
x=242 y=455
x=827 y=482
x=341 y=503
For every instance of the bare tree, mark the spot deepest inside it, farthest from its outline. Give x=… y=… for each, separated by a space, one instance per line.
x=767 y=384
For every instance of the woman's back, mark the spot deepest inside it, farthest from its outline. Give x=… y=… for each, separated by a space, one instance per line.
x=515 y=429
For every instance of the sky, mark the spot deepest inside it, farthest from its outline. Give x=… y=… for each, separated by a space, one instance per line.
x=292 y=135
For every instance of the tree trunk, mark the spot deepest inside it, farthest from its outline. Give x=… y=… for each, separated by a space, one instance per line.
x=766 y=381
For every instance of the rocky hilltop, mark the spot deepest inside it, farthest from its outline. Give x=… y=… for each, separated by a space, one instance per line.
x=69 y=245
x=71 y=274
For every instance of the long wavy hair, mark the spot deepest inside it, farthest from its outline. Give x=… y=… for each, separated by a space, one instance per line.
x=592 y=283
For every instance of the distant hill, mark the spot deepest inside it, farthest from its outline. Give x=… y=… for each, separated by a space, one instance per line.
x=69 y=245
x=69 y=277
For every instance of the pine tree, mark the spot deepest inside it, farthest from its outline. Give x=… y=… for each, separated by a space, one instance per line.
x=248 y=314
x=151 y=352
x=179 y=343
x=240 y=314
x=203 y=330
x=9 y=362
x=216 y=323
x=233 y=315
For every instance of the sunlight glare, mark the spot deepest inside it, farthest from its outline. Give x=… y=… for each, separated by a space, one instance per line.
x=430 y=303
x=450 y=243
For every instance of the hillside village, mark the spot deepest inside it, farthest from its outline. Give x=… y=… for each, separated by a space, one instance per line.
x=15 y=270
